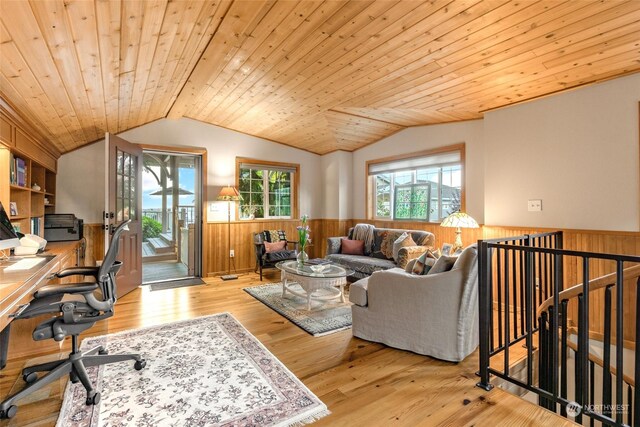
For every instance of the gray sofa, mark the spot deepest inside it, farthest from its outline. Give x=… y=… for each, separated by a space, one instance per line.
x=381 y=256
x=434 y=314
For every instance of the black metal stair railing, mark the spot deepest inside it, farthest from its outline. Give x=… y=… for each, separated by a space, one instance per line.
x=522 y=299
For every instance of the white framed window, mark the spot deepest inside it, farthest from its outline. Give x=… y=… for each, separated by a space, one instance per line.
x=426 y=186
x=267 y=190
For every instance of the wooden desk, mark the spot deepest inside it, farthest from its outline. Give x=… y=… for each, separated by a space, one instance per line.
x=17 y=289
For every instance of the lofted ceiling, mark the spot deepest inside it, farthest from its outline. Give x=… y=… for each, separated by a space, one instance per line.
x=317 y=75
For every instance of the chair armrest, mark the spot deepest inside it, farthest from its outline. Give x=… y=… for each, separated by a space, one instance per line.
x=397 y=291
x=67 y=288
x=295 y=244
x=77 y=271
x=407 y=253
x=333 y=245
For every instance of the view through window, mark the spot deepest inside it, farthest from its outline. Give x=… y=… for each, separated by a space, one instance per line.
x=267 y=190
x=422 y=187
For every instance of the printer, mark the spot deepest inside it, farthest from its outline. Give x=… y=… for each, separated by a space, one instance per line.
x=62 y=227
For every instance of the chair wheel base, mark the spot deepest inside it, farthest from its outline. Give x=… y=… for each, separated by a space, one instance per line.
x=9 y=413
x=93 y=398
x=140 y=364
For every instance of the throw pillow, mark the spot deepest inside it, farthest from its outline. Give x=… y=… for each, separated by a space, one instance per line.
x=444 y=263
x=388 y=238
x=423 y=264
x=352 y=247
x=273 y=235
x=401 y=242
x=275 y=247
x=434 y=254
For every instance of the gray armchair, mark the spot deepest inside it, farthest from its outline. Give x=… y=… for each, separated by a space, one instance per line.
x=434 y=315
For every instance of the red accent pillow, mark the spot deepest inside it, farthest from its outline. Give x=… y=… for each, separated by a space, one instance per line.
x=352 y=247
x=275 y=247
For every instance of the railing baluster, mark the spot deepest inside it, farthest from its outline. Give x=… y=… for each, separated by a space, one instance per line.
x=606 y=356
x=550 y=270
x=523 y=326
x=499 y=253
x=542 y=357
x=619 y=338
x=636 y=376
x=528 y=312
x=485 y=310
x=629 y=400
x=579 y=359
x=514 y=291
x=554 y=331
x=507 y=310
x=538 y=279
x=563 y=357
x=592 y=387
x=552 y=357
x=583 y=330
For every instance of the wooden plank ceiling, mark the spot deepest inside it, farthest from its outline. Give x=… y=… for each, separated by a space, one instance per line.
x=317 y=75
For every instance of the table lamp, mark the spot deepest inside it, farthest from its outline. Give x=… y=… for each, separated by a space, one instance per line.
x=229 y=194
x=459 y=220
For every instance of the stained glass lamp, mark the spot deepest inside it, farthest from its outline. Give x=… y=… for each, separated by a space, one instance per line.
x=459 y=220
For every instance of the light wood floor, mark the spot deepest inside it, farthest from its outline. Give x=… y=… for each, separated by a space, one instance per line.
x=362 y=383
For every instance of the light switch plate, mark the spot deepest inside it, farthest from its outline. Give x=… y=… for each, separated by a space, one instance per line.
x=534 y=205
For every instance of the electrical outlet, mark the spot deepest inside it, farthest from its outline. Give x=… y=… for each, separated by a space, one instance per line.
x=534 y=205
x=232 y=253
x=537 y=282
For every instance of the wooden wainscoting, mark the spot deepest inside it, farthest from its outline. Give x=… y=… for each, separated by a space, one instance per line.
x=215 y=239
x=215 y=236
x=94 y=250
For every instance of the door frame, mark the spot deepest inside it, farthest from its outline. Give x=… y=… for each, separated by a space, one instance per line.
x=204 y=246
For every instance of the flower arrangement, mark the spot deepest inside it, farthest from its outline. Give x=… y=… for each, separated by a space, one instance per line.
x=303 y=238
x=303 y=233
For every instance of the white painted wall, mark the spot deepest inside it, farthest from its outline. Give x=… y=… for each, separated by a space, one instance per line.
x=337 y=170
x=577 y=151
x=421 y=138
x=223 y=146
x=80 y=183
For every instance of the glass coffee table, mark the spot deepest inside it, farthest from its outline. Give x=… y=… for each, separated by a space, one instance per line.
x=314 y=277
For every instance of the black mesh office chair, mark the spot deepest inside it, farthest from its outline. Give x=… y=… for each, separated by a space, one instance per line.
x=72 y=318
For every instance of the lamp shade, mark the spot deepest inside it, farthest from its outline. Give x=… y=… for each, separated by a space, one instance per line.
x=459 y=219
x=229 y=194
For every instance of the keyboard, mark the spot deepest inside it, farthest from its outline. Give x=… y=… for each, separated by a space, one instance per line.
x=24 y=264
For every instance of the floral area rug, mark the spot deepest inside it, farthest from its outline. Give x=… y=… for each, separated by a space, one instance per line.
x=323 y=319
x=208 y=371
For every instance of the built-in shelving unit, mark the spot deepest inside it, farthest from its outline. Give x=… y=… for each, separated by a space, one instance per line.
x=27 y=175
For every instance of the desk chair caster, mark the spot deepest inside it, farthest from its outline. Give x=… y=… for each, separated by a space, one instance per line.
x=9 y=413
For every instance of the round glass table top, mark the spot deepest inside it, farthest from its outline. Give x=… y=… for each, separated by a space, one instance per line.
x=327 y=270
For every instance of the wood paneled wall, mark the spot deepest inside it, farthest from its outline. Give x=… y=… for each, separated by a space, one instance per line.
x=94 y=247
x=215 y=237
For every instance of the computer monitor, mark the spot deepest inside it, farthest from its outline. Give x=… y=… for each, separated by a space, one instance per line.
x=8 y=236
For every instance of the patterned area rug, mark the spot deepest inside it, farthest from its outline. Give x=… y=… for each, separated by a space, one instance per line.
x=323 y=319
x=201 y=372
